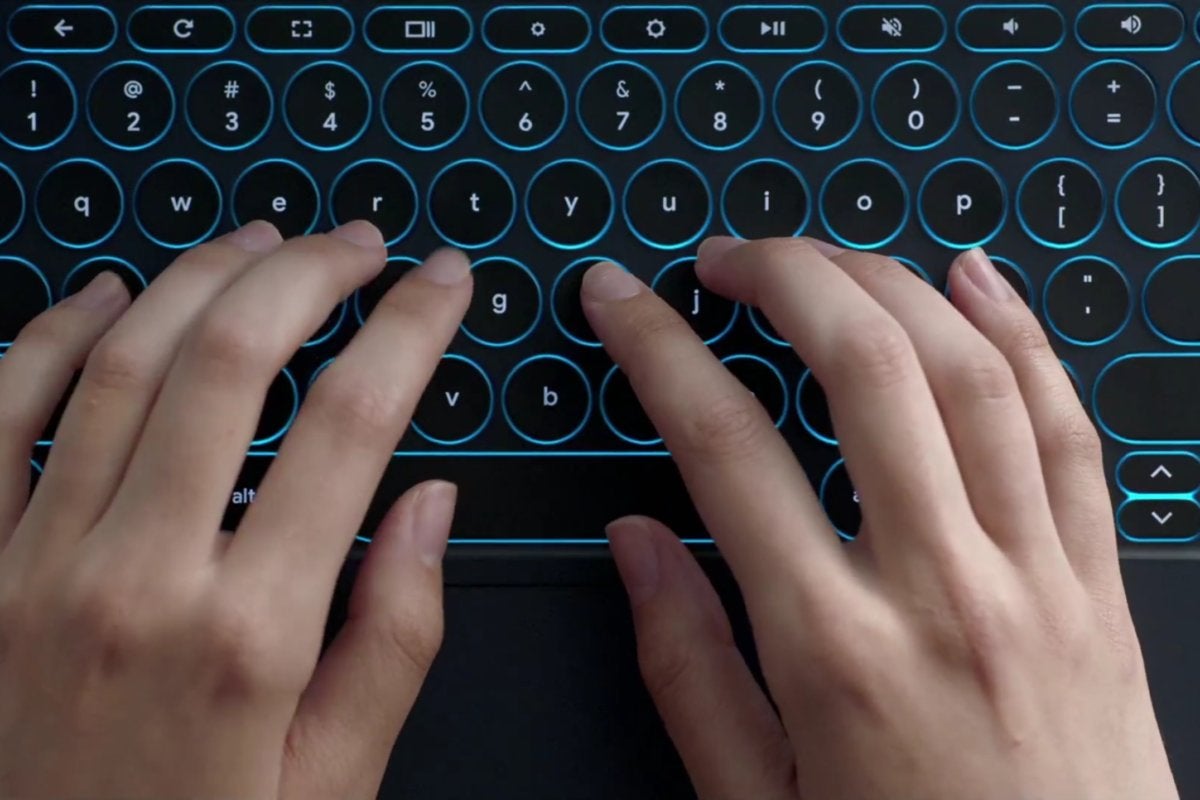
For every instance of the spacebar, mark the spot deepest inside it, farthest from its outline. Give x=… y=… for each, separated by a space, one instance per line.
x=524 y=498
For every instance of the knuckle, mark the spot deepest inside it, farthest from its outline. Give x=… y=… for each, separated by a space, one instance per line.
x=413 y=637
x=1026 y=339
x=851 y=667
x=1072 y=438
x=984 y=376
x=48 y=330
x=357 y=407
x=724 y=427
x=224 y=342
x=667 y=666
x=116 y=365
x=238 y=649
x=875 y=352
x=106 y=618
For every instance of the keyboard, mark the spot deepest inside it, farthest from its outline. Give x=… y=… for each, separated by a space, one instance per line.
x=541 y=138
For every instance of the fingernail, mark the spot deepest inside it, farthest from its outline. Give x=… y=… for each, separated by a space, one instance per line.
x=257 y=237
x=608 y=283
x=633 y=549
x=713 y=248
x=431 y=521
x=979 y=270
x=102 y=291
x=445 y=267
x=361 y=233
x=824 y=248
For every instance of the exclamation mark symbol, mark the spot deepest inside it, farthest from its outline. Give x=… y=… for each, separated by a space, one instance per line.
x=33 y=88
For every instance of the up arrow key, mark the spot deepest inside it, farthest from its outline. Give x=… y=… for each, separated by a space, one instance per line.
x=1159 y=473
x=1162 y=472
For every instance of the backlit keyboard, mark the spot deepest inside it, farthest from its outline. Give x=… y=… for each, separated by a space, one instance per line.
x=541 y=138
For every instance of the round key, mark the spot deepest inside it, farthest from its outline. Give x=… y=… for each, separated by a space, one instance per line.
x=1158 y=202
x=79 y=203
x=523 y=105
x=841 y=501
x=86 y=272
x=327 y=106
x=623 y=412
x=1087 y=300
x=719 y=105
x=963 y=203
x=367 y=297
x=506 y=305
x=279 y=192
x=26 y=294
x=1170 y=300
x=131 y=105
x=1185 y=111
x=621 y=105
x=12 y=203
x=229 y=105
x=1014 y=105
x=667 y=204
x=329 y=327
x=916 y=105
x=813 y=408
x=472 y=203
x=1015 y=276
x=864 y=204
x=547 y=400
x=457 y=404
x=566 y=307
x=177 y=203
x=766 y=329
x=710 y=315
x=818 y=105
x=279 y=409
x=1061 y=203
x=425 y=105
x=379 y=192
x=765 y=198
x=570 y=204
x=39 y=105
x=764 y=382
x=1113 y=104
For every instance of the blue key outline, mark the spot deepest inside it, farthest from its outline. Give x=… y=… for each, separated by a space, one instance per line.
x=962 y=245
x=487 y=419
x=548 y=139
x=433 y=218
x=662 y=95
x=772 y=50
x=358 y=310
x=612 y=208
x=40 y=275
x=1145 y=308
x=416 y=196
x=1034 y=298
x=277 y=435
x=616 y=431
x=537 y=317
x=170 y=93
x=419 y=50
x=892 y=7
x=857 y=93
x=116 y=222
x=1192 y=140
x=341 y=313
x=1046 y=301
x=1102 y=425
x=233 y=31
x=187 y=113
x=656 y=51
x=1130 y=48
x=298 y=50
x=556 y=51
x=865 y=245
x=1021 y=213
x=762 y=109
x=61 y=8
x=1013 y=7
x=784 y=390
x=1071 y=105
x=366 y=117
x=957 y=106
x=21 y=205
x=238 y=183
x=670 y=245
x=759 y=324
x=1121 y=216
x=583 y=420
x=908 y=263
x=1018 y=147
x=578 y=263
x=800 y=415
x=799 y=177
x=679 y=263
x=137 y=273
x=453 y=73
x=216 y=218
x=1153 y=495
x=839 y=464
x=74 y=106
x=1145 y=499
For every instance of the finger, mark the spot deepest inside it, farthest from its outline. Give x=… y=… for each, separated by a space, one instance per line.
x=366 y=683
x=1067 y=442
x=123 y=374
x=753 y=496
x=980 y=403
x=314 y=498
x=722 y=724
x=197 y=434
x=34 y=375
x=888 y=425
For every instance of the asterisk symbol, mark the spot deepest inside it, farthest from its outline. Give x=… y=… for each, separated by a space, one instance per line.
x=720 y=86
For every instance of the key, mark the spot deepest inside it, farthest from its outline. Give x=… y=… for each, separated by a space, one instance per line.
x=841 y=501
x=1169 y=299
x=813 y=408
x=181 y=29
x=1061 y=203
x=367 y=297
x=818 y=105
x=566 y=307
x=879 y=29
x=1185 y=111
x=764 y=199
x=536 y=29
x=131 y=105
x=457 y=404
x=1088 y=300
x=379 y=192
x=506 y=305
x=1113 y=104
x=764 y=382
x=79 y=203
x=1015 y=276
x=1158 y=202
x=1011 y=28
x=85 y=273
x=766 y=329
x=422 y=29
x=570 y=204
x=773 y=29
x=425 y=106
x=280 y=192
x=472 y=204
x=1148 y=398
x=177 y=204
x=1130 y=26
x=654 y=29
x=329 y=327
x=62 y=29
x=39 y=105
x=719 y=105
x=327 y=106
x=299 y=29
x=623 y=412
x=547 y=400
x=667 y=204
x=26 y=294
x=864 y=204
x=963 y=203
x=279 y=410
x=229 y=105
x=12 y=203
x=916 y=105
x=1159 y=473
x=710 y=315
x=1158 y=520
x=1014 y=105
x=523 y=105
x=621 y=105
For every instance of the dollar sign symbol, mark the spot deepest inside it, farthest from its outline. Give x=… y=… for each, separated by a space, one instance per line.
x=330 y=90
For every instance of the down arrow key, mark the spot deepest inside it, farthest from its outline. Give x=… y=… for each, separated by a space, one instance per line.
x=1168 y=521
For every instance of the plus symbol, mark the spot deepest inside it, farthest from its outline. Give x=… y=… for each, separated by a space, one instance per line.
x=1114 y=87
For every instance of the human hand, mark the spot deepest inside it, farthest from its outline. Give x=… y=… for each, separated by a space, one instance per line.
x=974 y=641
x=142 y=652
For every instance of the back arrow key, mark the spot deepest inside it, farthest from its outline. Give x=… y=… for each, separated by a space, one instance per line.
x=62 y=29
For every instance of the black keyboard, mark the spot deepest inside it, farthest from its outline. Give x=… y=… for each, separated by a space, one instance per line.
x=541 y=138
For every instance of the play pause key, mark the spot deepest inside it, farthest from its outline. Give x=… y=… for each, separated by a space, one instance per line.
x=781 y=29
